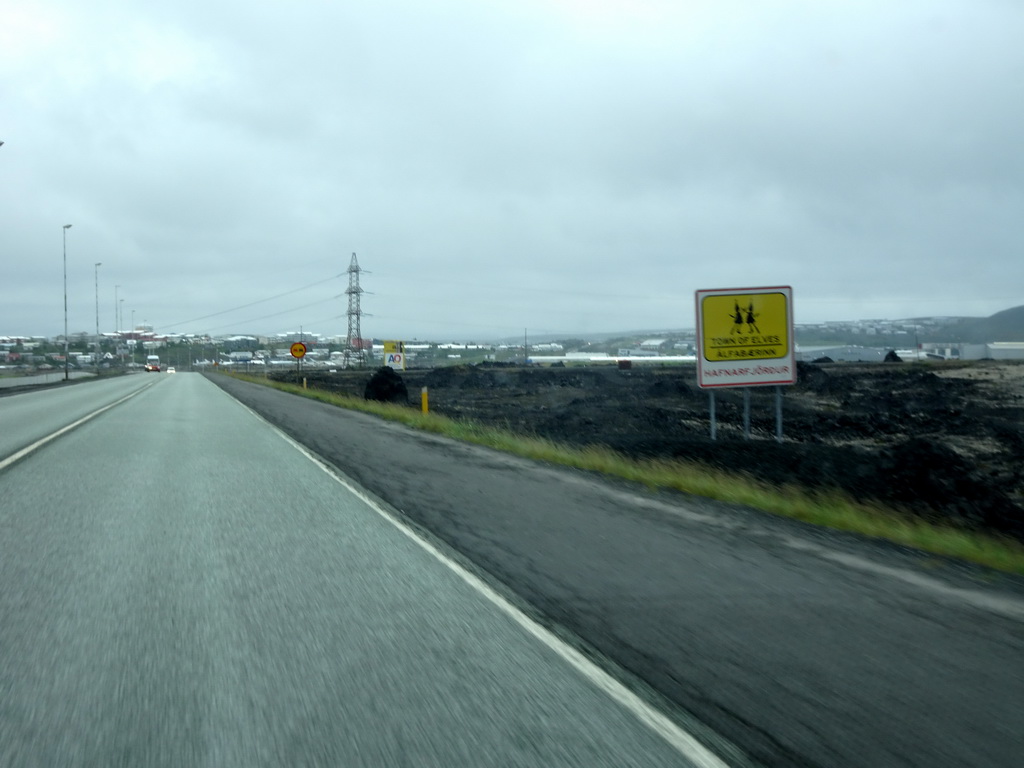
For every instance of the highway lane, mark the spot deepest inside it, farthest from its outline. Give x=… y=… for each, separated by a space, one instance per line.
x=199 y=592
x=29 y=416
x=803 y=646
x=55 y=377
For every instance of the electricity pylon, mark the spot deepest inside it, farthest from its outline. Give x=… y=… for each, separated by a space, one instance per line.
x=354 y=354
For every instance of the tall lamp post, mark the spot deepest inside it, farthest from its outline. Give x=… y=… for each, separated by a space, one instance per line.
x=66 y=228
x=117 y=316
x=120 y=325
x=97 y=270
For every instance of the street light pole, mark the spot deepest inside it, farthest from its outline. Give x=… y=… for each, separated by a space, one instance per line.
x=97 y=269
x=120 y=330
x=117 y=316
x=66 y=228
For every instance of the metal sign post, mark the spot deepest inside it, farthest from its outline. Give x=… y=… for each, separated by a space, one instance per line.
x=714 y=421
x=778 y=414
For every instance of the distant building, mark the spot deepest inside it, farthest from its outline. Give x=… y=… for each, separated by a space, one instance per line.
x=845 y=353
x=996 y=350
x=636 y=352
x=653 y=345
x=1006 y=350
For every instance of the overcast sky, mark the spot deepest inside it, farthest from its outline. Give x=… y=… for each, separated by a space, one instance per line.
x=561 y=166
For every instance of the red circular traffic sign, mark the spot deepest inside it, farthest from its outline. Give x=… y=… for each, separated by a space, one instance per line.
x=298 y=349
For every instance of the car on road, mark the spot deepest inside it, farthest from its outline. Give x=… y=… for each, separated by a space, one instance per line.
x=170 y=369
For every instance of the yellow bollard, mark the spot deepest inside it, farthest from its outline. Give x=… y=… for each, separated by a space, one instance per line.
x=303 y=382
x=423 y=400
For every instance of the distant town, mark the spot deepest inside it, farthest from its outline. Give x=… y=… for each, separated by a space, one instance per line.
x=937 y=338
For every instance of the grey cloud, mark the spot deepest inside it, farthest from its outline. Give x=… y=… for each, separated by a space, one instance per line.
x=516 y=164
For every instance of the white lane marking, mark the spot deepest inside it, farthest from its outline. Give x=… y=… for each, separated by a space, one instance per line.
x=682 y=741
x=5 y=463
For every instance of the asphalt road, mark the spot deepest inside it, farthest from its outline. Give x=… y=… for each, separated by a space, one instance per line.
x=803 y=647
x=29 y=416
x=180 y=585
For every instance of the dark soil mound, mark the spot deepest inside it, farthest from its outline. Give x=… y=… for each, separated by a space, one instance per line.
x=386 y=386
x=921 y=471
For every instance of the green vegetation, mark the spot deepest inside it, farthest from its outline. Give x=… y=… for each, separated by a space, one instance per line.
x=832 y=509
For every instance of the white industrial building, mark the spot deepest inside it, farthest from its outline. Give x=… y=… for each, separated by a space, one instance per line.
x=847 y=353
x=994 y=350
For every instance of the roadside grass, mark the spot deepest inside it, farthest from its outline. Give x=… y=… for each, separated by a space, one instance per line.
x=829 y=508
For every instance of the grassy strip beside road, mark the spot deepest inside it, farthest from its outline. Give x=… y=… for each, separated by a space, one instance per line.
x=832 y=509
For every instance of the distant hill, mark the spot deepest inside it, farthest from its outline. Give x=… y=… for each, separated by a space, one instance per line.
x=1007 y=325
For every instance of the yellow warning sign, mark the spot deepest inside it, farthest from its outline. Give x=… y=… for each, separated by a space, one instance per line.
x=749 y=326
x=745 y=337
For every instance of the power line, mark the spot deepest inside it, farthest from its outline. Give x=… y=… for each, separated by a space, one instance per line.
x=488 y=285
x=273 y=314
x=252 y=303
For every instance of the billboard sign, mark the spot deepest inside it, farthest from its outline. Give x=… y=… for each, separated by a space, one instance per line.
x=745 y=337
x=394 y=355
